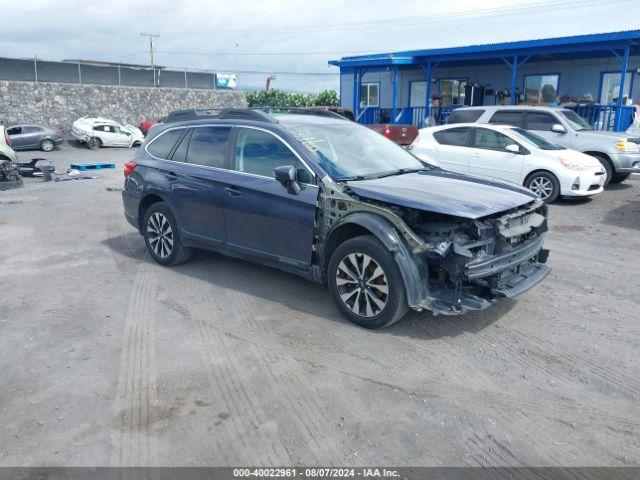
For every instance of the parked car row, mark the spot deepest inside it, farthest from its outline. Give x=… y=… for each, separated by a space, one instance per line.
x=553 y=152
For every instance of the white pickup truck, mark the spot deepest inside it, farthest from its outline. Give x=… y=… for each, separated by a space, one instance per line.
x=617 y=152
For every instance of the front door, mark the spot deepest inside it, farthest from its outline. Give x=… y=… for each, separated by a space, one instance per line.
x=261 y=216
x=490 y=158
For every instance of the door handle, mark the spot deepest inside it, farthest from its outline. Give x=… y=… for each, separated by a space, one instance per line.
x=233 y=192
x=476 y=155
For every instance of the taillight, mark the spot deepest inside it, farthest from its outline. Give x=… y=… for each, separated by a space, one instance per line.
x=7 y=138
x=59 y=132
x=128 y=168
x=387 y=132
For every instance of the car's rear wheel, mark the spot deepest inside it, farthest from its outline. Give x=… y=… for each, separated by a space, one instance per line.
x=47 y=145
x=94 y=143
x=619 y=177
x=545 y=184
x=366 y=284
x=162 y=236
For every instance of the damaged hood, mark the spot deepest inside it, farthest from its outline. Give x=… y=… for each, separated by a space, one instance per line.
x=441 y=191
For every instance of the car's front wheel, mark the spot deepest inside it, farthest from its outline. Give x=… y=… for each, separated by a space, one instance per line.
x=366 y=284
x=162 y=236
x=545 y=184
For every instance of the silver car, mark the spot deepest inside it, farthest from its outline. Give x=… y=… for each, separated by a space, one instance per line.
x=618 y=154
x=34 y=137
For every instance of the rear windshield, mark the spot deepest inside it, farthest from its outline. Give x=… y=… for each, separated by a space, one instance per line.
x=465 y=116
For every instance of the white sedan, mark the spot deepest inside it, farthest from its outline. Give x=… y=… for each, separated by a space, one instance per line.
x=102 y=132
x=512 y=154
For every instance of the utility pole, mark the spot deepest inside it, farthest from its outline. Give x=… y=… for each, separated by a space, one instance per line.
x=151 y=37
x=153 y=66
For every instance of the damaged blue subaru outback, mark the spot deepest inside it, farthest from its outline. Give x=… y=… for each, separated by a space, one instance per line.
x=314 y=194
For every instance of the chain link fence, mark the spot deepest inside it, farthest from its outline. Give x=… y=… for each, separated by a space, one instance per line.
x=86 y=74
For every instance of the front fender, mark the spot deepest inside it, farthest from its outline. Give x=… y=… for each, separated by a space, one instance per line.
x=414 y=271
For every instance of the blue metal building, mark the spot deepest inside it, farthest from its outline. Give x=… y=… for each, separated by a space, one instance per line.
x=596 y=75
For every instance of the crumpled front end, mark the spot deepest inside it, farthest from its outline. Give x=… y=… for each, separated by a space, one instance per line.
x=473 y=262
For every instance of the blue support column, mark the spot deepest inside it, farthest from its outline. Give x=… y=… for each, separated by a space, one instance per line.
x=394 y=110
x=623 y=75
x=427 y=102
x=356 y=91
x=514 y=75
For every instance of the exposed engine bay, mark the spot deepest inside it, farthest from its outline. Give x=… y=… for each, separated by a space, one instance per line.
x=463 y=263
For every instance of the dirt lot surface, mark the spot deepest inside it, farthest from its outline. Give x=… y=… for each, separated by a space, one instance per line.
x=109 y=359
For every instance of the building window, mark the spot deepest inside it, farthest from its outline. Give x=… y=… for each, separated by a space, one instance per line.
x=452 y=91
x=540 y=89
x=418 y=94
x=370 y=95
x=611 y=87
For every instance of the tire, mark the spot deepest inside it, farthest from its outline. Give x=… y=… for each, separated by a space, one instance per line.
x=166 y=248
x=350 y=265
x=47 y=145
x=94 y=143
x=619 y=177
x=608 y=168
x=545 y=184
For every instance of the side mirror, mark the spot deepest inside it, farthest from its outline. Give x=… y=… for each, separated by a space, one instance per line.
x=513 y=148
x=286 y=175
x=558 y=128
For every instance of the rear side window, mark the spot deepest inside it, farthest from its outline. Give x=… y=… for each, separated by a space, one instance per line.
x=465 y=116
x=209 y=146
x=259 y=152
x=456 y=137
x=540 y=121
x=505 y=117
x=163 y=144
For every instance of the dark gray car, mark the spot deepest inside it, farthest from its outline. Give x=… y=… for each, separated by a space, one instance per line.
x=34 y=137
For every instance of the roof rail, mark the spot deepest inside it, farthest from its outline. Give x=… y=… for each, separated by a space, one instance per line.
x=301 y=111
x=262 y=114
x=219 y=113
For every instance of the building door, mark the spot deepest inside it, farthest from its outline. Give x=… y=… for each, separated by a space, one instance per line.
x=452 y=91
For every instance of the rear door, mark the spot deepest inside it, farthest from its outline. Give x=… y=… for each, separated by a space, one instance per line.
x=261 y=216
x=103 y=132
x=196 y=174
x=489 y=158
x=451 y=149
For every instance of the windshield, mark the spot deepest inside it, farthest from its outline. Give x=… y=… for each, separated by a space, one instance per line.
x=348 y=152
x=575 y=121
x=537 y=141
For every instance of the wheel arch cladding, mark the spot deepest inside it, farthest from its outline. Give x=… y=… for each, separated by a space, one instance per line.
x=365 y=223
x=144 y=205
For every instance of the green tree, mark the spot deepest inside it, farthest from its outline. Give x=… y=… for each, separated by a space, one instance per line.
x=279 y=98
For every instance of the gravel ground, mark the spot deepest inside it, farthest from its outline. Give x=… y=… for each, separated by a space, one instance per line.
x=110 y=359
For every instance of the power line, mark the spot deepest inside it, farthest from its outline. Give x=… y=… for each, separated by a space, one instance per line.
x=554 y=5
x=151 y=37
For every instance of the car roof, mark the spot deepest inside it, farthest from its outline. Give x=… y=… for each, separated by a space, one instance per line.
x=492 y=126
x=512 y=107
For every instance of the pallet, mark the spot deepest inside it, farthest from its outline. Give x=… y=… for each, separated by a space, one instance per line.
x=91 y=166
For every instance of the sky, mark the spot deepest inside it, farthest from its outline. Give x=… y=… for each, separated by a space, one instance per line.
x=290 y=38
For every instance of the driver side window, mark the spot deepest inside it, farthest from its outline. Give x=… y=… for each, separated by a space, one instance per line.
x=259 y=152
x=491 y=140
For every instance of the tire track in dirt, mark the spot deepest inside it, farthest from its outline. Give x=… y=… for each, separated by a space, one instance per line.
x=512 y=409
x=135 y=442
x=543 y=354
x=306 y=413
